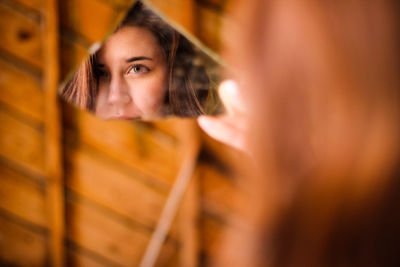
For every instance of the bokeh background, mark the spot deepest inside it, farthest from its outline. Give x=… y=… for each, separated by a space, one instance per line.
x=78 y=191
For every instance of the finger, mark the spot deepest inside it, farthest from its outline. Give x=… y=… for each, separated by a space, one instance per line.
x=222 y=130
x=231 y=98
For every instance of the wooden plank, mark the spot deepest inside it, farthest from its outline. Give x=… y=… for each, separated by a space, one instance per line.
x=215 y=5
x=138 y=147
x=20 y=246
x=189 y=214
x=21 y=36
x=218 y=191
x=36 y=5
x=171 y=260
x=22 y=197
x=220 y=197
x=21 y=90
x=120 y=4
x=212 y=233
x=52 y=135
x=77 y=259
x=208 y=27
x=168 y=126
x=72 y=55
x=172 y=9
x=116 y=240
x=190 y=207
x=190 y=154
x=21 y=143
x=78 y=16
x=95 y=178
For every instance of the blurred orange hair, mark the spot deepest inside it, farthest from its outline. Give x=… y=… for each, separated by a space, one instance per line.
x=323 y=80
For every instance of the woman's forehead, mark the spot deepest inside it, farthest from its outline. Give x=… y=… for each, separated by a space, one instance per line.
x=130 y=42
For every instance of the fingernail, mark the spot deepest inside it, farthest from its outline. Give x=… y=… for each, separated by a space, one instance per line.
x=202 y=121
x=230 y=87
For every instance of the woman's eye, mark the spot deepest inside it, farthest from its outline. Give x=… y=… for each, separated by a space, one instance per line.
x=138 y=69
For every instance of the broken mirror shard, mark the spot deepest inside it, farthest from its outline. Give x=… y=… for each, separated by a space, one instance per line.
x=145 y=70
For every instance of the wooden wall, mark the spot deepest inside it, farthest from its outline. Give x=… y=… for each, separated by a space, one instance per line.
x=78 y=191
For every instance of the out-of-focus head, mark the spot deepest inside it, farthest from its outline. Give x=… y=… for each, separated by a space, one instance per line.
x=322 y=79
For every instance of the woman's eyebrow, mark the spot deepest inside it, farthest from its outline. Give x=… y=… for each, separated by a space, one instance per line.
x=137 y=58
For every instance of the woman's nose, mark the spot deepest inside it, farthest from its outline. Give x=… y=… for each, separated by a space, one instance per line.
x=118 y=93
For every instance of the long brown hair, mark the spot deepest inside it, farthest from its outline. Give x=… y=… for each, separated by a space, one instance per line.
x=323 y=79
x=189 y=87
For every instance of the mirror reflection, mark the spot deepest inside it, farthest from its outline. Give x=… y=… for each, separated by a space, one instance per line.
x=145 y=70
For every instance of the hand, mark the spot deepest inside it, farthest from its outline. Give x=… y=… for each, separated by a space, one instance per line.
x=229 y=128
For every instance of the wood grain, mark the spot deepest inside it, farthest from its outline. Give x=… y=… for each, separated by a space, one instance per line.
x=132 y=144
x=209 y=27
x=118 y=241
x=36 y=5
x=77 y=259
x=94 y=178
x=79 y=17
x=20 y=246
x=212 y=235
x=21 y=36
x=52 y=136
x=118 y=174
x=172 y=10
x=22 y=143
x=72 y=55
x=21 y=91
x=218 y=191
x=22 y=196
x=189 y=214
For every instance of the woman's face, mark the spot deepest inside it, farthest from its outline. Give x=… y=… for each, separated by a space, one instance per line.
x=132 y=76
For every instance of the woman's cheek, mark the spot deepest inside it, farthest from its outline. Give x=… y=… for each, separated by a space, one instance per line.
x=149 y=93
x=101 y=102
